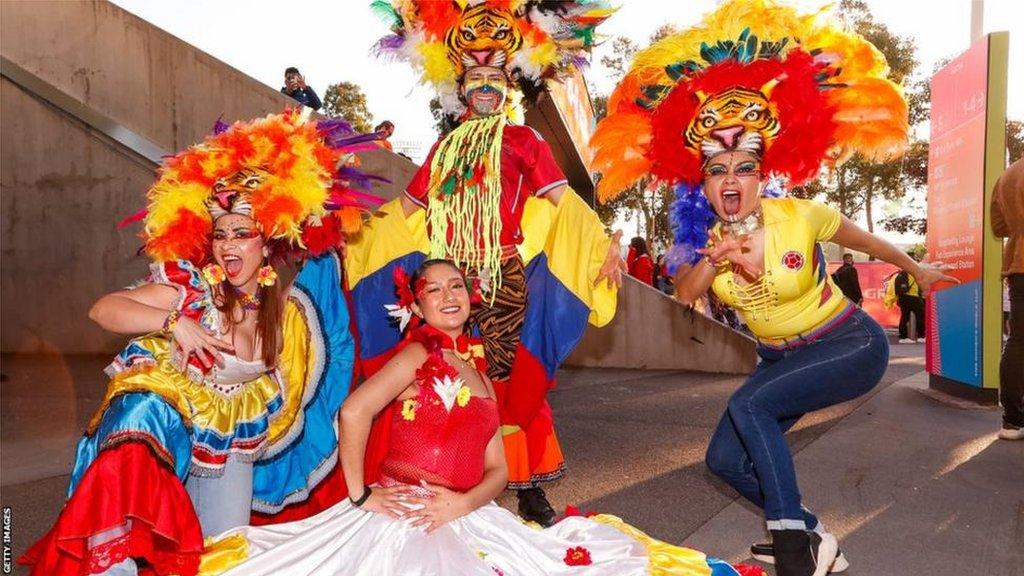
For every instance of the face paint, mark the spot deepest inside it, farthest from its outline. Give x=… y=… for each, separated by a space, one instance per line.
x=485 y=95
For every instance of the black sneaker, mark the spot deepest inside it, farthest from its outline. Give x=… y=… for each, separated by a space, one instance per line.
x=763 y=552
x=534 y=506
x=803 y=553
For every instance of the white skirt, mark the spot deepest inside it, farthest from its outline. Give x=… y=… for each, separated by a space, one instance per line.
x=491 y=540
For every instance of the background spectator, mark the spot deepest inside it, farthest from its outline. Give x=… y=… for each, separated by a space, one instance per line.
x=1008 y=222
x=385 y=129
x=295 y=87
x=908 y=298
x=846 y=278
x=639 y=261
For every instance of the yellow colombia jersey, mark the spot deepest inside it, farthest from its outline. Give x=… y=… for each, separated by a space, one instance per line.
x=795 y=295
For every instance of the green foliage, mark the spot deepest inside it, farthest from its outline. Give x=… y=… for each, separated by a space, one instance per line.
x=346 y=100
x=1015 y=140
x=648 y=206
x=857 y=185
x=443 y=122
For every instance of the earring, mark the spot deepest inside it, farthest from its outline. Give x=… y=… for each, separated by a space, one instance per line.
x=267 y=276
x=213 y=274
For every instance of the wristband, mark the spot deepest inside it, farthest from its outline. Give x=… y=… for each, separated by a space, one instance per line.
x=362 y=499
x=171 y=321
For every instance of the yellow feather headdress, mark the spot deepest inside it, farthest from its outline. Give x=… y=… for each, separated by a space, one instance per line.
x=757 y=75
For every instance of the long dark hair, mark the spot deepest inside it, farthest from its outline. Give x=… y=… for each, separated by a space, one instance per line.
x=639 y=246
x=269 y=333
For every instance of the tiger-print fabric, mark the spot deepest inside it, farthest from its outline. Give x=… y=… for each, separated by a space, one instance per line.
x=501 y=322
x=483 y=36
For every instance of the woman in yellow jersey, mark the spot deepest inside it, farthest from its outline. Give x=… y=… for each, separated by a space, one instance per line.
x=754 y=93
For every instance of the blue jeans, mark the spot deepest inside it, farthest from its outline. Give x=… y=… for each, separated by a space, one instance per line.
x=748 y=449
x=225 y=501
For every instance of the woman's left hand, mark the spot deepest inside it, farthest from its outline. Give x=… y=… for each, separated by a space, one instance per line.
x=613 y=265
x=930 y=275
x=444 y=506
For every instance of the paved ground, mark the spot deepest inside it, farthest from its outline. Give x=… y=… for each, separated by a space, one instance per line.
x=911 y=484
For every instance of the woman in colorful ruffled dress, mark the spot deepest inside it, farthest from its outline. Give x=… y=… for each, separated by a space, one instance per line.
x=432 y=511
x=758 y=91
x=222 y=406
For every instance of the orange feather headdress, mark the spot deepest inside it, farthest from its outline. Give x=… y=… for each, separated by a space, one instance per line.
x=297 y=183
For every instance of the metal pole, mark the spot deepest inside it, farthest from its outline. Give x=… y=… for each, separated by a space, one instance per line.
x=977 y=19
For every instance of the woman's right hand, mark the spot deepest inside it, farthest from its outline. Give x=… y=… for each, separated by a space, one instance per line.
x=192 y=338
x=732 y=250
x=387 y=501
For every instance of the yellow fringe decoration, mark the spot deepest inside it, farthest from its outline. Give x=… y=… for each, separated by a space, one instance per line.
x=465 y=196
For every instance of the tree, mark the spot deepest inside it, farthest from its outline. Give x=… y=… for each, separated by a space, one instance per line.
x=443 y=121
x=1015 y=140
x=346 y=100
x=855 y=186
x=649 y=205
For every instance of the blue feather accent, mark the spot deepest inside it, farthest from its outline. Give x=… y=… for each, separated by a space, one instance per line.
x=691 y=217
x=773 y=189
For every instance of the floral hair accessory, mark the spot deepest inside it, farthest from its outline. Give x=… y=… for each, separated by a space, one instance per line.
x=476 y=292
x=402 y=310
x=214 y=274
x=267 y=276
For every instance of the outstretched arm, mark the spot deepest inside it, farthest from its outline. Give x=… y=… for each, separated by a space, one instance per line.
x=852 y=236
x=357 y=414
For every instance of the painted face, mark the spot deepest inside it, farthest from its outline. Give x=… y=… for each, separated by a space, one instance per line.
x=443 y=298
x=238 y=248
x=732 y=184
x=485 y=90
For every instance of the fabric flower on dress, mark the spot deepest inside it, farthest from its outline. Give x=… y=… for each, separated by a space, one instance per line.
x=576 y=511
x=462 y=398
x=448 y=389
x=409 y=409
x=577 y=556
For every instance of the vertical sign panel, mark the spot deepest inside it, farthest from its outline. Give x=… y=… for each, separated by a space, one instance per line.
x=966 y=111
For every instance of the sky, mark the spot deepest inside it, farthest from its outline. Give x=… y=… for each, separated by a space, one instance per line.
x=330 y=40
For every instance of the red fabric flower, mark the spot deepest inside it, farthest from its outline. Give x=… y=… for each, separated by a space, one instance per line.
x=319 y=239
x=748 y=570
x=578 y=556
x=575 y=511
x=405 y=295
x=435 y=367
x=476 y=294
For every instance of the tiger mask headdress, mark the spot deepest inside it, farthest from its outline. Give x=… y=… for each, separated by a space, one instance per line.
x=483 y=36
x=734 y=119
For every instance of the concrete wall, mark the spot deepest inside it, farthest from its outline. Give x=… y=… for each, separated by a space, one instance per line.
x=64 y=186
x=60 y=198
x=653 y=331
